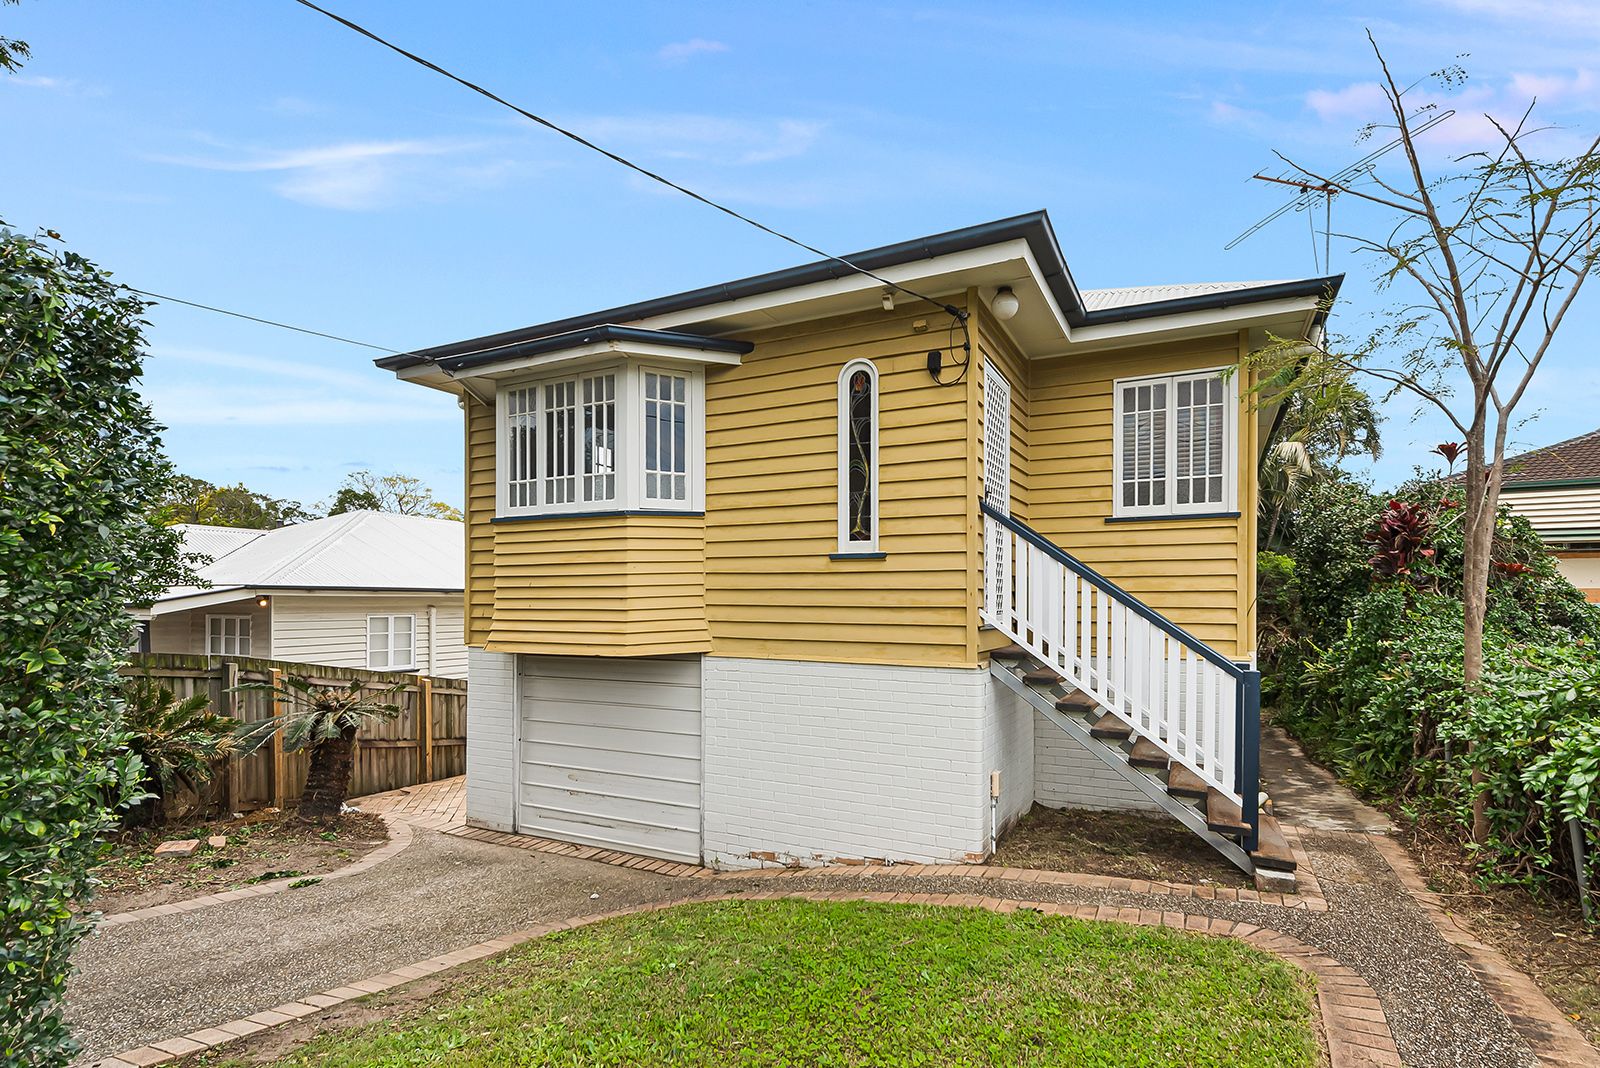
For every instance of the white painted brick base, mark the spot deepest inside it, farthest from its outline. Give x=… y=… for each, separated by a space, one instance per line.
x=1065 y=775
x=1009 y=747
x=491 y=738
x=810 y=762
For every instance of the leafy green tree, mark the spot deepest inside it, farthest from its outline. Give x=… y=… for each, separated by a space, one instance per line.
x=401 y=494
x=194 y=500
x=81 y=469
x=12 y=51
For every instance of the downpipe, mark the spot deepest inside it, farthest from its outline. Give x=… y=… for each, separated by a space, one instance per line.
x=994 y=813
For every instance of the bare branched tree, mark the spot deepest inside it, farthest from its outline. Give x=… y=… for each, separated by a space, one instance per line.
x=1486 y=262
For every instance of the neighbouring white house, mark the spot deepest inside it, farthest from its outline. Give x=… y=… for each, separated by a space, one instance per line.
x=1557 y=489
x=362 y=589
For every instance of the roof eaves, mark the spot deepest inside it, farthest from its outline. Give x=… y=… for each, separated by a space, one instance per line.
x=590 y=336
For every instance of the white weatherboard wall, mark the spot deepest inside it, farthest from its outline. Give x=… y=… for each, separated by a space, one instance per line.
x=333 y=630
x=809 y=761
x=491 y=739
x=1009 y=748
x=1066 y=775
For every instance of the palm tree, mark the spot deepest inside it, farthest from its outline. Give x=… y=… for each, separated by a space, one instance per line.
x=178 y=741
x=325 y=721
x=1328 y=419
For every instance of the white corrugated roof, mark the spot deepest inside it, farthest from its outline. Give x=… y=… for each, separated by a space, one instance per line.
x=356 y=550
x=215 y=542
x=1102 y=299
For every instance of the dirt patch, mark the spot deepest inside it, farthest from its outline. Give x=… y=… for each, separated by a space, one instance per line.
x=1541 y=936
x=1128 y=844
x=259 y=849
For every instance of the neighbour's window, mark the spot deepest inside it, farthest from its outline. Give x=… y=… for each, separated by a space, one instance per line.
x=1174 y=445
x=391 y=642
x=228 y=635
x=628 y=437
x=858 y=457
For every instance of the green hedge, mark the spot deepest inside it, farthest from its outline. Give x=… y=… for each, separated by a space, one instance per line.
x=1366 y=671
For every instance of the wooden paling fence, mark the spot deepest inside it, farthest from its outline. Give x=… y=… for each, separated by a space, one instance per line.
x=425 y=742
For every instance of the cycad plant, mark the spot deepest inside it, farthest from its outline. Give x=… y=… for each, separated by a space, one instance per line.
x=324 y=721
x=178 y=741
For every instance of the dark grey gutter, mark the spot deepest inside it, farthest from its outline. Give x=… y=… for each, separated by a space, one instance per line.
x=590 y=336
x=1033 y=227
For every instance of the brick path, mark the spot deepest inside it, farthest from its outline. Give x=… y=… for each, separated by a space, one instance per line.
x=437 y=806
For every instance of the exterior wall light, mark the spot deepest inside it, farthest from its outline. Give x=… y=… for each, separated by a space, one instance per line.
x=1004 y=303
x=262 y=600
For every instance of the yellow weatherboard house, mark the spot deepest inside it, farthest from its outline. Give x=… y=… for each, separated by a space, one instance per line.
x=802 y=567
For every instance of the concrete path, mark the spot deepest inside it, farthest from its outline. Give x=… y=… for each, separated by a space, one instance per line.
x=147 y=981
x=1305 y=795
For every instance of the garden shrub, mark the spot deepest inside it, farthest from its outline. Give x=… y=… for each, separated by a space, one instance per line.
x=80 y=469
x=1362 y=651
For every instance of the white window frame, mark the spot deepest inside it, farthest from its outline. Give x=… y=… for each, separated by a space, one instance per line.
x=1230 y=453
x=846 y=546
x=244 y=627
x=628 y=447
x=389 y=618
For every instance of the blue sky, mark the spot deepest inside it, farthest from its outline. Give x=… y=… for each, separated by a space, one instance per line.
x=258 y=157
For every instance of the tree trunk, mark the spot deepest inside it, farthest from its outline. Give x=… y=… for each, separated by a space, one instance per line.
x=328 y=778
x=1478 y=543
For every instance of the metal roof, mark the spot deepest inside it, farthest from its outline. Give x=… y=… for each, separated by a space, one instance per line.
x=356 y=550
x=1034 y=228
x=1132 y=296
x=215 y=542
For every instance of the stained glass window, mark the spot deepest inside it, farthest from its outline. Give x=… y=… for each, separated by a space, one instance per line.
x=858 y=459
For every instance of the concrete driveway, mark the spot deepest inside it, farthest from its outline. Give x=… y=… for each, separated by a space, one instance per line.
x=148 y=980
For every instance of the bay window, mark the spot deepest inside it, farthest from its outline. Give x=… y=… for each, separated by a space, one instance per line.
x=1174 y=449
x=623 y=437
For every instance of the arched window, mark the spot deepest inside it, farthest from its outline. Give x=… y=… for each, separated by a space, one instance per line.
x=858 y=457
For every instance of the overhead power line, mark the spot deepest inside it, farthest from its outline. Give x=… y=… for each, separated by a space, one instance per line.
x=263 y=322
x=632 y=166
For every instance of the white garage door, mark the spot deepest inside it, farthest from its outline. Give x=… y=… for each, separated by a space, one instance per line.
x=611 y=753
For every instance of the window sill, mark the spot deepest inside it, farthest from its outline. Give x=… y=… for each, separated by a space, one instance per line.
x=1171 y=517
x=545 y=517
x=859 y=556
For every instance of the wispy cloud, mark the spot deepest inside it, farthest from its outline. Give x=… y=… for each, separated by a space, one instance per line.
x=274 y=367
x=66 y=86
x=1547 y=15
x=683 y=51
x=364 y=175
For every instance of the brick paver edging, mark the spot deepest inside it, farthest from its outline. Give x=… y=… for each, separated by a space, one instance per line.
x=1353 y=1022
x=399 y=838
x=1546 y=1029
x=1309 y=898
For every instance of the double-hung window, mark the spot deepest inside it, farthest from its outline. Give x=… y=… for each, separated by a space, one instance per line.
x=615 y=438
x=391 y=642
x=228 y=635
x=1174 y=445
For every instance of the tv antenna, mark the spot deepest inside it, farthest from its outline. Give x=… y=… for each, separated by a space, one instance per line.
x=1312 y=190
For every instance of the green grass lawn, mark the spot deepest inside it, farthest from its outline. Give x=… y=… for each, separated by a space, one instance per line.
x=806 y=983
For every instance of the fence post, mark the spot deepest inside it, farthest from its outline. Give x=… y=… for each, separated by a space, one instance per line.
x=233 y=783
x=280 y=785
x=424 y=729
x=1248 y=764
